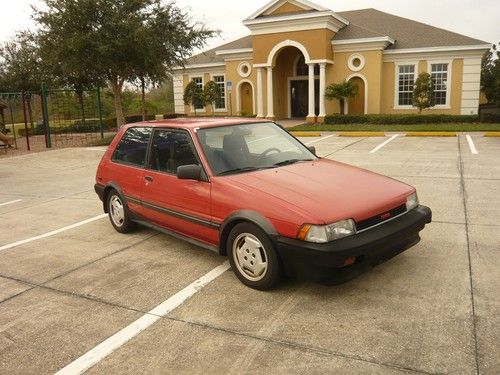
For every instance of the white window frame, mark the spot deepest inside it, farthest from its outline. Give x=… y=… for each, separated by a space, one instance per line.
x=448 y=82
x=396 y=82
x=212 y=75
x=202 y=76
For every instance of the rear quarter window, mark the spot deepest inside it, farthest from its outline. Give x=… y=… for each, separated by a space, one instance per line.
x=132 y=147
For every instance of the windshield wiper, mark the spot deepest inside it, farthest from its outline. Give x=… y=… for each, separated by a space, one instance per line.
x=290 y=161
x=239 y=170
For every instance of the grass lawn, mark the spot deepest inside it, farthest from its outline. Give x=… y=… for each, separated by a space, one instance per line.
x=478 y=127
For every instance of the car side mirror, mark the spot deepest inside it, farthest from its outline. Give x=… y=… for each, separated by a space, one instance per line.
x=312 y=149
x=189 y=172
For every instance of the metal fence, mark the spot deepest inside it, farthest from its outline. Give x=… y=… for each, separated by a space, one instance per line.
x=56 y=117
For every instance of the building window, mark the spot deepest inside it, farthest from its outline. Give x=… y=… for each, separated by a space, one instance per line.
x=199 y=83
x=302 y=69
x=221 y=82
x=406 y=82
x=439 y=74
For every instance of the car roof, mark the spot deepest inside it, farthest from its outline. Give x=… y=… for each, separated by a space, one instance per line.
x=199 y=122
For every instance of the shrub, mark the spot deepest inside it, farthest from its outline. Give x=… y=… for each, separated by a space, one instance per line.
x=169 y=116
x=490 y=117
x=400 y=119
x=138 y=118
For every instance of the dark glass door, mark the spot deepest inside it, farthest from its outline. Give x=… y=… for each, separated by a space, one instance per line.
x=299 y=97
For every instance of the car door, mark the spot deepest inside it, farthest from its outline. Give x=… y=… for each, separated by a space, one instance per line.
x=179 y=205
x=129 y=159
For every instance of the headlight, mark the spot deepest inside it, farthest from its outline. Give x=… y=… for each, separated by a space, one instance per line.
x=411 y=201
x=327 y=233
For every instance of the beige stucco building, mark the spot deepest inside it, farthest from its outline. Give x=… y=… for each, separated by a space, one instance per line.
x=296 y=48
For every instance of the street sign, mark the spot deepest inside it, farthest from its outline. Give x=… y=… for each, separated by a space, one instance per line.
x=229 y=86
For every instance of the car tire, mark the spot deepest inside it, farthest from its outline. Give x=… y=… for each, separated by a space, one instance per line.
x=252 y=257
x=118 y=213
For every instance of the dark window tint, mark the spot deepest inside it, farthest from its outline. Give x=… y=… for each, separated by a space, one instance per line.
x=132 y=147
x=170 y=150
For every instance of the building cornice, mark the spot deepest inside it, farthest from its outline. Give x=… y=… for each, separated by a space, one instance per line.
x=362 y=44
x=200 y=66
x=235 y=51
x=275 y=4
x=476 y=47
x=296 y=22
x=435 y=52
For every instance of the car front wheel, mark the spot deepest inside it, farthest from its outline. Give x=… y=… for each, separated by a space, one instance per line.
x=118 y=214
x=252 y=257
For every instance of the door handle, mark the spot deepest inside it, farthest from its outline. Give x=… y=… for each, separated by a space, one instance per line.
x=148 y=178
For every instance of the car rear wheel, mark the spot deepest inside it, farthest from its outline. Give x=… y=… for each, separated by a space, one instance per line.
x=118 y=214
x=252 y=257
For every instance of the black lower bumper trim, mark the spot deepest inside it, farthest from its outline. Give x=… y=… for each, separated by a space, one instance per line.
x=324 y=262
x=99 y=189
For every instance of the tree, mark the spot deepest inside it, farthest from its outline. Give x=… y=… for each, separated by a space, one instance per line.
x=69 y=52
x=130 y=39
x=20 y=67
x=211 y=94
x=490 y=75
x=342 y=92
x=423 y=92
x=193 y=95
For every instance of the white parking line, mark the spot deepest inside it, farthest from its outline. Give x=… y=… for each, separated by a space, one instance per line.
x=472 y=147
x=321 y=139
x=103 y=149
x=48 y=234
x=11 y=202
x=384 y=144
x=112 y=343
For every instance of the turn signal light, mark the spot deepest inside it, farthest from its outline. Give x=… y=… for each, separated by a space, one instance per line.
x=303 y=232
x=349 y=261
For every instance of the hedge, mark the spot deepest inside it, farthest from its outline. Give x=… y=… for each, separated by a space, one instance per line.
x=400 y=119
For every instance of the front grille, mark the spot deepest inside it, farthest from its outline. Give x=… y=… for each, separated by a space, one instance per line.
x=377 y=219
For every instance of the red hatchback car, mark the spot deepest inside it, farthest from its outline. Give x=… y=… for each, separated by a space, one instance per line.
x=250 y=190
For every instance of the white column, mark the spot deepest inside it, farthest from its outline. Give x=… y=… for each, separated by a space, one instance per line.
x=270 y=98
x=311 y=113
x=322 y=86
x=260 y=96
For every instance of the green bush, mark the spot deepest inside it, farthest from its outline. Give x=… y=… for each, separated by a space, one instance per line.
x=400 y=119
x=490 y=117
x=169 y=116
x=138 y=118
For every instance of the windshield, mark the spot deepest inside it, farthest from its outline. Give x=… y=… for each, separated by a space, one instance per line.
x=248 y=147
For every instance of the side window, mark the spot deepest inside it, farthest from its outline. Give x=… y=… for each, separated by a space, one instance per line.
x=132 y=147
x=170 y=150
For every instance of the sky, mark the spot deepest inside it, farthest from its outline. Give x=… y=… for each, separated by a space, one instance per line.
x=475 y=18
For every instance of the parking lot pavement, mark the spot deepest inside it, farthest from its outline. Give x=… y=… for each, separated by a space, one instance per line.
x=433 y=309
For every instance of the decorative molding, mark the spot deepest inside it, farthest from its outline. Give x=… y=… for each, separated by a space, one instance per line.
x=238 y=95
x=358 y=75
x=362 y=44
x=304 y=4
x=396 y=82
x=200 y=66
x=233 y=51
x=448 y=82
x=283 y=44
x=240 y=69
x=350 y=62
x=296 y=22
x=477 y=47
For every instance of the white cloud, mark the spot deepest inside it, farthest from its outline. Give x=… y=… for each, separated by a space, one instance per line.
x=475 y=18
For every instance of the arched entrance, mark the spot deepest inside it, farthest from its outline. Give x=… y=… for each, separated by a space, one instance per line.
x=246 y=99
x=356 y=104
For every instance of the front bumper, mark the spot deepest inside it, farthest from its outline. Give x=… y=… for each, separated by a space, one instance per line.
x=324 y=262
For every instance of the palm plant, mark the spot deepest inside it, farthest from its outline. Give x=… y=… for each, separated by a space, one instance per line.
x=342 y=92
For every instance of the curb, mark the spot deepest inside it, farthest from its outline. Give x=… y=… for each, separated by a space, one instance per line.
x=361 y=134
x=431 y=134
x=305 y=134
x=492 y=134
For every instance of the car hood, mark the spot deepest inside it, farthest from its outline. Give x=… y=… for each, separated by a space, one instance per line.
x=327 y=190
